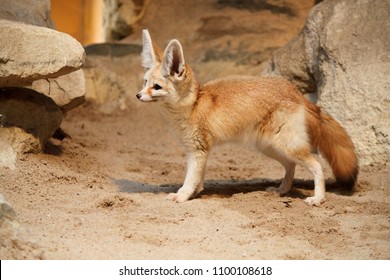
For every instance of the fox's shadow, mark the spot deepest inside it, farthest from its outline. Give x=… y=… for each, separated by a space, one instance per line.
x=227 y=188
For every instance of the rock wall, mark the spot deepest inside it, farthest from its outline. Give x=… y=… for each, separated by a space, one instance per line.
x=223 y=37
x=341 y=59
x=112 y=75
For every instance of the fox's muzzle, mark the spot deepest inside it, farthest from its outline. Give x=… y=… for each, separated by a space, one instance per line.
x=145 y=97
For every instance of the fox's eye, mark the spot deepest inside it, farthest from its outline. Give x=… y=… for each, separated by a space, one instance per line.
x=157 y=87
x=145 y=81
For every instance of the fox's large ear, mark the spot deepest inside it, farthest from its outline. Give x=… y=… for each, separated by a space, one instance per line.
x=148 y=55
x=173 y=61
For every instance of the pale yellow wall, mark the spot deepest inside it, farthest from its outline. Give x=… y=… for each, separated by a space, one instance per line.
x=94 y=22
x=80 y=18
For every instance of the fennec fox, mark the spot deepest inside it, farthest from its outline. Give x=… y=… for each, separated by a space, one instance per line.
x=267 y=112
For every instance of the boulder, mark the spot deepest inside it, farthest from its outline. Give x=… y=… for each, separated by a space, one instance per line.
x=341 y=59
x=28 y=119
x=29 y=53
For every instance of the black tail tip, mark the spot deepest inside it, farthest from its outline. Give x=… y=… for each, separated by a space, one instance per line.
x=349 y=183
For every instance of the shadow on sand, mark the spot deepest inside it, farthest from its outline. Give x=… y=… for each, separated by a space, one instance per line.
x=227 y=188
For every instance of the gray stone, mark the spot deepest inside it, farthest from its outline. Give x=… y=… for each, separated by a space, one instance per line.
x=342 y=60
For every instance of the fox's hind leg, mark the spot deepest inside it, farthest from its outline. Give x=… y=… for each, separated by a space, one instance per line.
x=319 y=182
x=306 y=158
x=289 y=166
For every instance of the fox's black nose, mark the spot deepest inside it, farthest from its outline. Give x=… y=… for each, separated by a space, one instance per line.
x=139 y=95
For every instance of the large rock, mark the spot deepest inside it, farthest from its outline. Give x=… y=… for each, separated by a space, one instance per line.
x=29 y=53
x=28 y=119
x=342 y=60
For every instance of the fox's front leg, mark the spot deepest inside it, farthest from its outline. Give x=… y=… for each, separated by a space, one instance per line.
x=193 y=183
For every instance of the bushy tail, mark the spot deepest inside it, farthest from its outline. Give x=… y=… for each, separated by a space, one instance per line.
x=335 y=145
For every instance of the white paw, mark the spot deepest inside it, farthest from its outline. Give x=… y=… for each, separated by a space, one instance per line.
x=177 y=197
x=314 y=201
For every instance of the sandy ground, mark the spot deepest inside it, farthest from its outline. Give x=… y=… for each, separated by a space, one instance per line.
x=101 y=195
